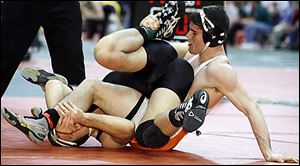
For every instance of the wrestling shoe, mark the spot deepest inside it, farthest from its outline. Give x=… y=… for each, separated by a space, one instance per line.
x=170 y=15
x=40 y=77
x=195 y=111
x=35 y=129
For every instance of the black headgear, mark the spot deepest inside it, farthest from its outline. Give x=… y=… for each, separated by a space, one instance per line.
x=211 y=33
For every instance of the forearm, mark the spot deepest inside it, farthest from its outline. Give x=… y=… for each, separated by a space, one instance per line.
x=114 y=126
x=260 y=131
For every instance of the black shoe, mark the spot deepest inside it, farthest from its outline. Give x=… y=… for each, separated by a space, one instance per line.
x=34 y=129
x=169 y=18
x=195 y=111
x=40 y=77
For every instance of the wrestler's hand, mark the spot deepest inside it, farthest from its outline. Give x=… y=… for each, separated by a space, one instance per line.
x=66 y=125
x=281 y=159
x=72 y=112
x=76 y=113
x=151 y=21
x=66 y=128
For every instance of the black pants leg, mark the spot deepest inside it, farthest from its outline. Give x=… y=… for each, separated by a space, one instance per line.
x=63 y=28
x=19 y=25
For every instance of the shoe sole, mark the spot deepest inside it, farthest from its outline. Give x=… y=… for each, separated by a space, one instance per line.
x=167 y=32
x=11 y=119
x=40 y=77
x=193 y=119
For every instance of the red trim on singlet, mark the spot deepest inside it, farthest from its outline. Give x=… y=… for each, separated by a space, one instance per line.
x=47 y=116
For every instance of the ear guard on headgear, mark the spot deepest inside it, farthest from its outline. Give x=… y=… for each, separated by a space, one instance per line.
x=212 y=35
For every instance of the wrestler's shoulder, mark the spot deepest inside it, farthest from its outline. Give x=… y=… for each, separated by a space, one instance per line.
x=220 y=71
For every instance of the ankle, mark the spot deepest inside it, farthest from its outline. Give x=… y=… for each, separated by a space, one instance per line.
x=176 y=117
x=147 y=33
x=52 y=117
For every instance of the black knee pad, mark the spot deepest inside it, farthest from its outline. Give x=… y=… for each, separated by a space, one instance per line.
x=140 y=131
x=149 y=135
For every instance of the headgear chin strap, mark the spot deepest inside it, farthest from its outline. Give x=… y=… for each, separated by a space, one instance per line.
x=212 y=35
x=205 y=47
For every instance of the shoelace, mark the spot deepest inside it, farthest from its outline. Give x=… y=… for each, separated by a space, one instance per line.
x=183 y=105
x=186 y=105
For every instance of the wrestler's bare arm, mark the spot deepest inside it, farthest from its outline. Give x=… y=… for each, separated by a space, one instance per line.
x=121 y=130
x=112 y=125
x=231 y=87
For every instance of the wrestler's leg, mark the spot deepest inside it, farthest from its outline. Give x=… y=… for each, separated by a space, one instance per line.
x=121 y=51
x=151 y=133
x=190 y=114
x=55 y=91
x=111 y=98
x=172 y=93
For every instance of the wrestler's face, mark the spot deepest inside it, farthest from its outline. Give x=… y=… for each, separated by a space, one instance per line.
x=195 y=38
x=80 y=133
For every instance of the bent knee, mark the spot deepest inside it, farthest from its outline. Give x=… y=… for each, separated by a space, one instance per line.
x=149 y=135
x=53 y=84
x=90 y=83
x=107 y=54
